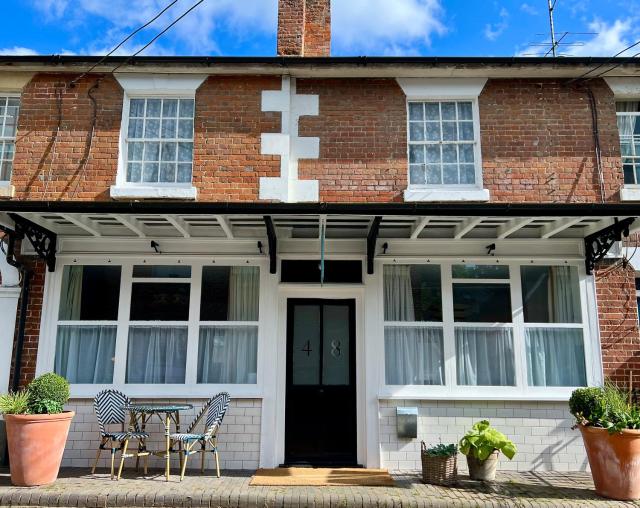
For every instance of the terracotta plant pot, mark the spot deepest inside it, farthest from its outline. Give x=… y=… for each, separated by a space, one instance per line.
x=36 y=444
x=614 y=461
x=483 y=470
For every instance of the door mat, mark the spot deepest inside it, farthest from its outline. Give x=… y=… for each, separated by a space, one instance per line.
x=314 y=477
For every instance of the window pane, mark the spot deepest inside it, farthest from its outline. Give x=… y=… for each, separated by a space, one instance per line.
x=230 y=293
x=308 y=271
x=416 y=154
x=156 y=354
x=412 y=293
x=90 y=293
x=448 y=110
x=551 y=294
x=228 y=354
x=417 y=175
x=432 y=111
x=480 y=272
x=555 y=357
x=186 y=108
x=335 y=345
x=306 y=344
x=465 y=111
x=153 y=108
x=170 y=108
x=416 y=131
x=484 y=357
x=481 y=303
x=159 y=301
x=162 y=271
x=413 y=355
x=433 y=131
x=434 y=174
x=136 y=108
x=85 y=354
x=416 y=111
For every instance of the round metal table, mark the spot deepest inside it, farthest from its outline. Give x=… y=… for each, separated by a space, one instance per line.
x=167 y=413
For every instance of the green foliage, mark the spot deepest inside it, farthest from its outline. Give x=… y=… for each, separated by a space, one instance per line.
x=608 y=407
x=14 y=403
x=442 y=450
x=48 y=394
x=482 y=440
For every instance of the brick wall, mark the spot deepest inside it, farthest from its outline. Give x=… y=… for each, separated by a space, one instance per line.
x=618 y=317
x=536 y=135
x=540 y=430
x=304 y=28
x=32 y=327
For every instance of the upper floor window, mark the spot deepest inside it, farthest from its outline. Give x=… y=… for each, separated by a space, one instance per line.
x=9 y=108
x=443 y=144
x=160 y=141
x=628 y=113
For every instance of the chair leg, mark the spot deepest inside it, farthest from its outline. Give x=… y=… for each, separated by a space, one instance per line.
x=122 y=457
x=113 y=458
x=184 y=450
x=146 y=463
x=215 y=452
x=95 y=464
x=203 y=452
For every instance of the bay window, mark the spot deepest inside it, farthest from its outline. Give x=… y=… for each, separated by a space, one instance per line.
x=628 y=114
x=463 y=326
x=171 y=324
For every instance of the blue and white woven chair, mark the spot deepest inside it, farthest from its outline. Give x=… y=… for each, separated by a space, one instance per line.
x=109 y=408
x=215 y=409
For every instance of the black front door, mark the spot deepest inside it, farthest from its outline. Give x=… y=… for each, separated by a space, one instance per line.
x=320 y=420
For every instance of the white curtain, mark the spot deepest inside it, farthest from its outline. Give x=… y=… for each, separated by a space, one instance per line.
x=563 y=294
x=157 y=354
x=627 y=123
x=71 y=295
x=398 y=296
x=484 y=356
x=84 y=354
x=244 y=293
x=555 y=357
x=413 y=356
x=228 y=354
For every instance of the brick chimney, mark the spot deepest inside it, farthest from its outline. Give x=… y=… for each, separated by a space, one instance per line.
x=304 y=27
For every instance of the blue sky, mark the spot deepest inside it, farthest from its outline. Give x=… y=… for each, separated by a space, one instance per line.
x=360 y=27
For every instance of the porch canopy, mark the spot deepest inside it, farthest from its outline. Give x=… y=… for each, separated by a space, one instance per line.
x=377 y=226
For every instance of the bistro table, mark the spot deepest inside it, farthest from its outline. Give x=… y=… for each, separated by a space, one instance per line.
x=167 y=413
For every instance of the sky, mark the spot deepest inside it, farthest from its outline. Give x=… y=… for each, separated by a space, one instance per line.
x=359 y=27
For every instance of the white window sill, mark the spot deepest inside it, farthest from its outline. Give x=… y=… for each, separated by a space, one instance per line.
x=130 y=192
x=630 y=194
x=7 y=190
x=446 y=194
x=182 y=391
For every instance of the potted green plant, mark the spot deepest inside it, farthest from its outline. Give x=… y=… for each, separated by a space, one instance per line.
x=482 y=446
x=439 y=464
x=37 y=429
x=610 y=426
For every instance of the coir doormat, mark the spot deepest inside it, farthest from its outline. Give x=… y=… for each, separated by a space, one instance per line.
x=303 y=476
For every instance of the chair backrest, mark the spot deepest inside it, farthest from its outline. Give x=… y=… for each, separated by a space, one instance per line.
x=108 y=406
x=215 y=409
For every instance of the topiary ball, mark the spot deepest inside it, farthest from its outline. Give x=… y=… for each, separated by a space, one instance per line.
x=48 y=394
x=587 y=404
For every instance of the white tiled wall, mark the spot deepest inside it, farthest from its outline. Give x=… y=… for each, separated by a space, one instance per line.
x=541 y=431
x=238 y=439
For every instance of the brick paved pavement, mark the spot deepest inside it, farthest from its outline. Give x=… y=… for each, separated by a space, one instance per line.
x=77 y=488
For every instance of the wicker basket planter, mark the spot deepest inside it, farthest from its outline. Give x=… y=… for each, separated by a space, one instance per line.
x=438 y=470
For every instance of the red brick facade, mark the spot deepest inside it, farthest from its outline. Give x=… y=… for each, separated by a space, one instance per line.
x=618 y=317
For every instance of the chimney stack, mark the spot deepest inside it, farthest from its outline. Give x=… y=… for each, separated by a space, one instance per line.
x=304 y=27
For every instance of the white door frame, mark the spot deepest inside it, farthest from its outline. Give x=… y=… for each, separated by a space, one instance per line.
x=285 y=292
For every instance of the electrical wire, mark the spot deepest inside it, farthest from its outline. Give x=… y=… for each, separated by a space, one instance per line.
x=582 y=76
x=171 y=25
x=122 y=42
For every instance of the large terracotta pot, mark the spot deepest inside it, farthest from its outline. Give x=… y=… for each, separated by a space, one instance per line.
x=483 y=470
x=36 y=444
x=614 y=461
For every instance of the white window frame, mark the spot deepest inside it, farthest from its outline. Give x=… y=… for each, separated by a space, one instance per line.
x=6 y=189
x=190 y=388
x=521 y=390
x=630 y=189
x=447 y=90
x=152 y=87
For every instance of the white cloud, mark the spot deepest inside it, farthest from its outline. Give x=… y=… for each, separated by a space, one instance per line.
x=385 y=27
x=18 y=50
x=494 y=30
x=610 y=39
x=196 y=31
x=529 y=9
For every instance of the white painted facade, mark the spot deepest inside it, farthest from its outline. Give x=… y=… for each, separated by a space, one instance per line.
x=445 y=411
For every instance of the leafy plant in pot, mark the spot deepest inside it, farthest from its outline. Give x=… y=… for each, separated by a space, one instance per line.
x=482 y=446
x=37 y=429
x=610 y=427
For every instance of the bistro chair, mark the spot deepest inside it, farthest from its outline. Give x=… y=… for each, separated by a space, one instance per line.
x=109 y=407
x=215 y=409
